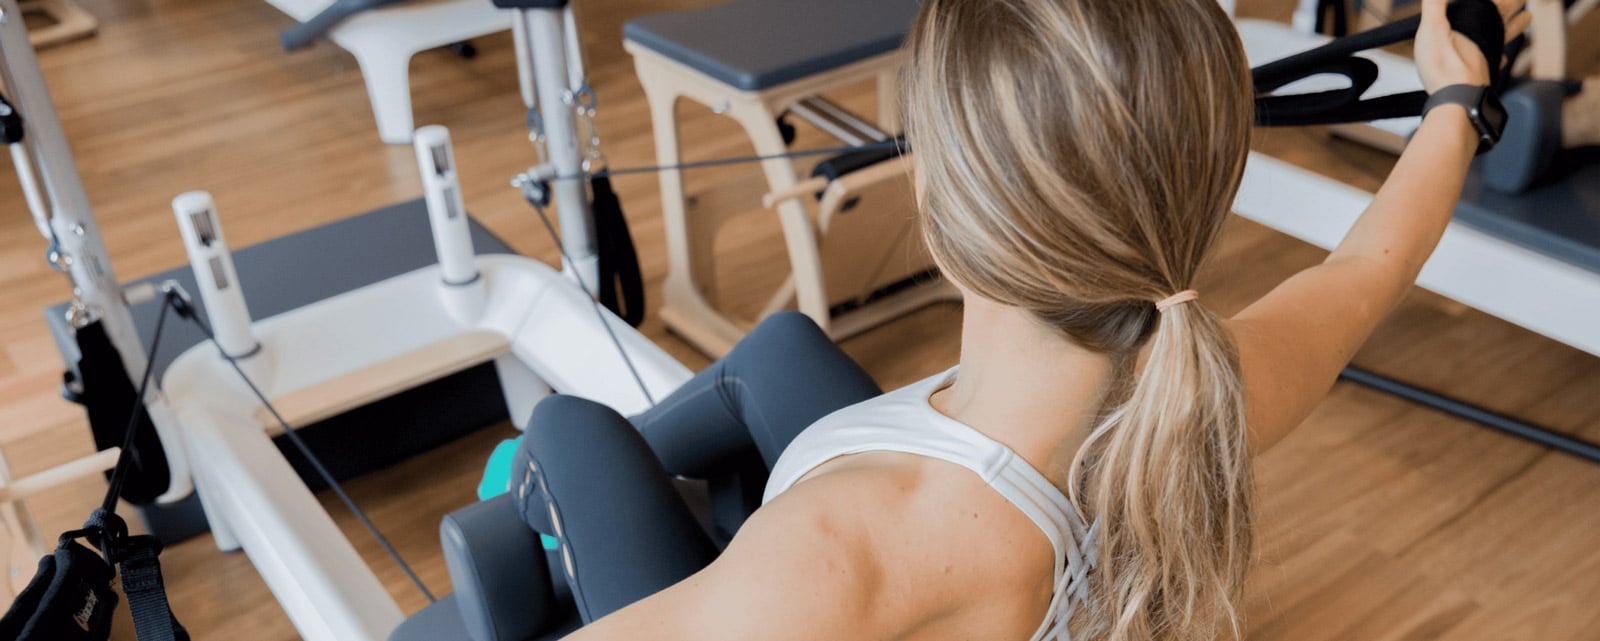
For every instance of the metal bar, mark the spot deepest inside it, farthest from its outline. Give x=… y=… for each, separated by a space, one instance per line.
x=1462 y=409
x=95 y=284
x=844 y=116
x=546 y=30
x=844 y=132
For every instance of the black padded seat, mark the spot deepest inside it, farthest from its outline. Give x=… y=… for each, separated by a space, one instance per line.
x=1559 y=218
x=755 y=44
x=441 y=621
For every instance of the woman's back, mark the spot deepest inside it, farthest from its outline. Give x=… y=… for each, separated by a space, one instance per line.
x=948 y=470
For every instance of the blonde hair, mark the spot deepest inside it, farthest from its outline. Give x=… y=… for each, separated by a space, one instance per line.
x=1079 y=157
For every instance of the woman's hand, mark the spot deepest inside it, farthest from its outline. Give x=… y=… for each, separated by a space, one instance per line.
x=1445 y=57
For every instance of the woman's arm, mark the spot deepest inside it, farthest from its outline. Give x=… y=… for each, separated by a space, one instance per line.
x=1294 y=341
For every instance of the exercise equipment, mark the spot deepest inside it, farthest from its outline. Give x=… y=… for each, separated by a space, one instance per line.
x=533 y=323
x=220 y=401
x=304 y=33
x=1546 y=59
x=70 y=596
x=755 y=61
x=67 y=21
x=1534 y=146
x=383 y=35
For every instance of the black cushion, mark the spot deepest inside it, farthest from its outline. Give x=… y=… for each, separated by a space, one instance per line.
x=755 y=44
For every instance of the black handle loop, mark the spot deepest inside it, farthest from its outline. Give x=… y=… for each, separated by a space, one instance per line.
x=1478 y=20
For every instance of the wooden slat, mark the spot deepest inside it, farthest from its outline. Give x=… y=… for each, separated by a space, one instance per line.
x=382 y=380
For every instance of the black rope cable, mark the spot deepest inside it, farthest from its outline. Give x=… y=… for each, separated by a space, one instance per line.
x=1479 y=20
x=119 y=474
x=316 y=463
x=736 y=160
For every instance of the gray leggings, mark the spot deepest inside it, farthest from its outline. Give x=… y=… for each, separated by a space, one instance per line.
x=602 y=484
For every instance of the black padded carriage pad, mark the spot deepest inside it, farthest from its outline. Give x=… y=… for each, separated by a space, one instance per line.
x=1560 y=218
x=755 y=44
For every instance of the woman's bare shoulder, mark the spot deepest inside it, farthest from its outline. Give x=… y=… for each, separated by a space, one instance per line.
x=930 y=529
x=877 y=548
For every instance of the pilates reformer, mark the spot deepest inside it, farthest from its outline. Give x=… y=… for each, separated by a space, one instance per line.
x=219 y=401
x=548 y=337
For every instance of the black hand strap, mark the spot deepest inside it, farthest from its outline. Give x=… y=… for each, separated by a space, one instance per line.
x=140 y=565
x=1479 y=20
x=621 y=283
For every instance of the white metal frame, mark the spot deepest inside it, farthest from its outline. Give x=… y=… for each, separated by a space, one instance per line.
x=539 y=329
x=1546 y=295
x=383 y=41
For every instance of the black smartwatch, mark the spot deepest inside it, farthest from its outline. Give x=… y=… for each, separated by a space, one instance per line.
x=1488 y=116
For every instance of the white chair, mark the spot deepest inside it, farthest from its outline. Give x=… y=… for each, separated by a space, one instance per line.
x=384 y=40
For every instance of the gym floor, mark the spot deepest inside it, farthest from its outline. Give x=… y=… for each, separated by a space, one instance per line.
x=1380 y=520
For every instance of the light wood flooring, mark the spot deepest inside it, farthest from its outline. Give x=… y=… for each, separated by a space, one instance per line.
x=1380 y=520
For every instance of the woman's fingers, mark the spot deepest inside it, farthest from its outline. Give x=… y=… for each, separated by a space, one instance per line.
x=1518 y=24
x=1510 y=8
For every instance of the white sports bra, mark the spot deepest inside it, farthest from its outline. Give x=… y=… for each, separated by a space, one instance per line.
x=905 y=421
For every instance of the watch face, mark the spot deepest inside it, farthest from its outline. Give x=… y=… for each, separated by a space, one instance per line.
x=1491 y=116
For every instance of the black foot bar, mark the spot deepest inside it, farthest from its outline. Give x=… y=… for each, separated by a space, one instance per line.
x=1461 y=409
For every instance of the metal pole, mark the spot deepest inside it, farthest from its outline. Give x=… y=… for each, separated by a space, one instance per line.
x=94 y=282
x=546 y=33
x=1461 y=409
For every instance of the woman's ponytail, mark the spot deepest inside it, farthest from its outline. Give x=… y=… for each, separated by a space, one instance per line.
x=1167 y=474
x=1078 y=160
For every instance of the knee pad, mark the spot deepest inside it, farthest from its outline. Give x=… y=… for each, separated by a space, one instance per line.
x=1531 y=140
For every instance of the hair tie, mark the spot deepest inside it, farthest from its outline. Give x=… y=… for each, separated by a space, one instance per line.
x=1176 y=299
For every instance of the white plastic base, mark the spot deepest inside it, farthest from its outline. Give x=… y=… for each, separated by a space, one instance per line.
x=255 y=500
x=383 y=41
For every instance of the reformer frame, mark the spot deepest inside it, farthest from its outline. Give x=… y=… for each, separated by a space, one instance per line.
x=538 y=328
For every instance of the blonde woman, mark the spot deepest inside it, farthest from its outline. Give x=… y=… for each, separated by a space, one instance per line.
x=1085 y=472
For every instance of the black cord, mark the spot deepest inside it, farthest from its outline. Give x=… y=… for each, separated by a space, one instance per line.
x=119 y=473
x=737 y=160
x=311 y=458
x=598 y=312
x=606 y=173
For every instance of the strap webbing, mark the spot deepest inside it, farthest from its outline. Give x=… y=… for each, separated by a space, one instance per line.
x=621 y=283
x=140 y=565
x=1479 y=20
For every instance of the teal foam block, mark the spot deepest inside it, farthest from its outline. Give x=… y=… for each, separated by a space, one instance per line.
x=497 y=474
x=497 y=480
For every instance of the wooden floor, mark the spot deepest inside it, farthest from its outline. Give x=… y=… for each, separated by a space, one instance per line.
x=1380 y=520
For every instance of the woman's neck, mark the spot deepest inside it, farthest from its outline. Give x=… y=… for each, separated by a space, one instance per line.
x=1024 y=384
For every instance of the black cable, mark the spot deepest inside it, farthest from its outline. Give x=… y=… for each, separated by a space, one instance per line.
x=598 y=312
x=119 y=473
x=736 y=160
x=311 y=457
